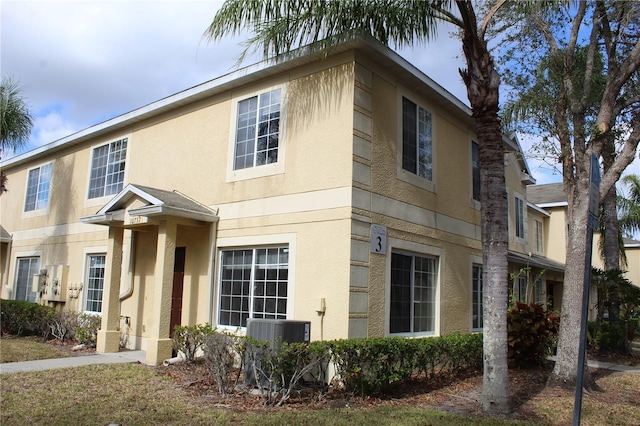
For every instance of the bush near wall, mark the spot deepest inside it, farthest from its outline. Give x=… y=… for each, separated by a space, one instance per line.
x=367 y=366
x=362 y=366
x=531 y=333
x=20 y=318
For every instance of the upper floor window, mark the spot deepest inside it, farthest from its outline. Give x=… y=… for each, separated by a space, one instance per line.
x=417 y=143
x=253 y=284
x=413 y=294
x=538 y=231
x=38 y=184
x=476 y=303
x=519 y=211
x=107 y=169
x=475 y=169
x=257 y=130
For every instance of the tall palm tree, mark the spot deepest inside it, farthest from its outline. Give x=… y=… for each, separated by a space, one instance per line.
x=15 y=120
x=629 y=205
x=281 y=25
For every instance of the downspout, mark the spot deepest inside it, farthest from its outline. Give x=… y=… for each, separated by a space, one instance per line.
x=128 y=290
x=6 y=268
x=212 y=269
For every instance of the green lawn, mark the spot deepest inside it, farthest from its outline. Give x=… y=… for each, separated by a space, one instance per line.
x=27 y=349
x=131 y=394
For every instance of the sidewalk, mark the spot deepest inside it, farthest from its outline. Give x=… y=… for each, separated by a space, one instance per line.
x=607 y=366
x=74 y=361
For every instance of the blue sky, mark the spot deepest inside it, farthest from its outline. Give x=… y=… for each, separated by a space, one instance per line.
x=82 y=62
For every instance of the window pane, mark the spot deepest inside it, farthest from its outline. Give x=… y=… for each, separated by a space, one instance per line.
x=27 y=268
x=425 y=166
x=409 y=136
x=413 y=294
x=257 y=286
x=95 y=282
x=38 y=183
x=475 y=165
x=107 y=169
x=477 y=320
x=400 y=315
x=257 y=130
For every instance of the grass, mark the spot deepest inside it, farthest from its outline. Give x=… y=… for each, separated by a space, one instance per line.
x=27 y=349
x=134 y=395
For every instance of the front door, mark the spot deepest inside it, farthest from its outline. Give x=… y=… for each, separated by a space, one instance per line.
x=178 y=284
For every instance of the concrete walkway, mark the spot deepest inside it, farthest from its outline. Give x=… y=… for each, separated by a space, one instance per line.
x=123 y=357
x=608 y=366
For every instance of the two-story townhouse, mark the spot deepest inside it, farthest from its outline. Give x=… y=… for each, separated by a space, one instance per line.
x=339 y=189
x=552 y=200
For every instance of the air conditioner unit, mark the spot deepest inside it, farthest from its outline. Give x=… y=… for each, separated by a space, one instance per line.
x=275 y=332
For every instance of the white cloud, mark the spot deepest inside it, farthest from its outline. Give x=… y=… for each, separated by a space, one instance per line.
x=83 y=62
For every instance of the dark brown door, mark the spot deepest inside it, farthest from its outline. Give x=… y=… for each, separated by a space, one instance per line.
x=178 y=284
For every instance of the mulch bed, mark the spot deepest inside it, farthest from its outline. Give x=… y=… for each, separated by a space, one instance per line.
x=459 y=396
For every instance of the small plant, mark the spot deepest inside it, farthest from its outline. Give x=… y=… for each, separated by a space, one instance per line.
x=87 y=329
x=224 y=354
x=530 y=329
x=190 y=339
x=279 y=371
x=63 y=325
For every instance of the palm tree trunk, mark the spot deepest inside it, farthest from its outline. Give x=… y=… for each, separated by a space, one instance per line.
x=495 y=385
x=482 y=82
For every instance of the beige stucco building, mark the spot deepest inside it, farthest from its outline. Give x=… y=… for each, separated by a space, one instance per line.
x=341 y=190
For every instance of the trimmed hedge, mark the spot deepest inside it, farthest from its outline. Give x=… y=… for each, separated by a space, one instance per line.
x=21 y=318
x=366 y=366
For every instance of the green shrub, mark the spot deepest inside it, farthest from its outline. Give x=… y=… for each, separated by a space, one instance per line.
x=63 y=325
x=279 y=371
x=189 y=339
x=87 y=328
x=367 y=366
x=20 y=318
x=605 y=337
x=224 y=354
x=531 y=330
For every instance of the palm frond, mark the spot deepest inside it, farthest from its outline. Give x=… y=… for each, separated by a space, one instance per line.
x=278 y=26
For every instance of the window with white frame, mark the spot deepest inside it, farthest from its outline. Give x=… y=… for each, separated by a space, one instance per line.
x=522 y=288
x=96 y=267
x=257 y=130
x=476 y=303
x=38 y=185
x=475 y=170
x=253 y=284
x=538 y=291
x=519 y=212
x=107 y=169
x=27 y=267
x=538 y=231
x=417 y=143
x=413 y=294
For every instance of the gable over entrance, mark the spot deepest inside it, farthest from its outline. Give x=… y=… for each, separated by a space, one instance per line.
x=148 y=210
